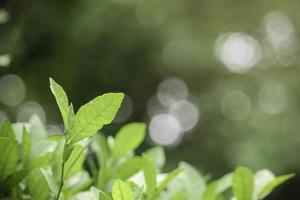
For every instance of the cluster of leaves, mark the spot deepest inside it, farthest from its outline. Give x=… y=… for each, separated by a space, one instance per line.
x=38 y=166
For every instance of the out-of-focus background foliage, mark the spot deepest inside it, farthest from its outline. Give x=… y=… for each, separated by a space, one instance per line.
x=217 y=81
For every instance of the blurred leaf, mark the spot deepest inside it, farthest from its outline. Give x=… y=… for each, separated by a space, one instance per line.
x=61 y=100
x=211 y=191
x=104 y=196
x=50 y=180
x=37 y=186
x=224 y=183
x=273 y=184
x=243 y=183
x=75 y=162
x=9 y=151
x=100 y=147
x=37 y=129
x=157 y=156
x=189 y=184
x=92 y=116
x=15 y=178
x=135 y=164
x=41 y=161
x=121 y=191
x=167 y=180
x=128 y=139
x=78 y=182
x=57 y=160
x=26 y=147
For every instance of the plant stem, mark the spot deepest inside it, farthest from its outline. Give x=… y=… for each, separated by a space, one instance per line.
x=62 y=172
x=61 y=180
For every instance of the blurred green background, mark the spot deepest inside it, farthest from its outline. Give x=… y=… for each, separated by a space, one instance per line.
x=217 y=81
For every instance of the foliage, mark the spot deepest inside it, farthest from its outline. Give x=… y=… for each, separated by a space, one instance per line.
x=38 y=166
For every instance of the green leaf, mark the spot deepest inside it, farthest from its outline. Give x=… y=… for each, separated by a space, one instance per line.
x=37 y=185
x=9 y=151
x=273 y=184
x=128 y=139
x=224 y=183
x=92 y=116
x=61 y=100
x=121 y=191
x=71 y=117
x=157 y=156
x=243 y=183
x=136 y=164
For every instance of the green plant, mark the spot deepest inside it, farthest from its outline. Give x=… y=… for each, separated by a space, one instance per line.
x=38 y=166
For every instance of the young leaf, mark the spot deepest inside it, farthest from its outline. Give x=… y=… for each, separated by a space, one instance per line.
x=61 y=100
x=92 y=116
x=273 y=184
x=121 y=191
x=243 y=183
x=128 y=139
x=9 y=151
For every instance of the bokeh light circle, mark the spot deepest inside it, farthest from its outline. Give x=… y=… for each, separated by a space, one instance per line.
x=28 y=109
x=236 y=105
x=171 y=90
x=12 y=90
x=186 y=112
x=239 y=52
x=164 y=129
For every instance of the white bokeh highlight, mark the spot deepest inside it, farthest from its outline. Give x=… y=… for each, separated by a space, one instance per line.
x=164 y=129
x=239 y=52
